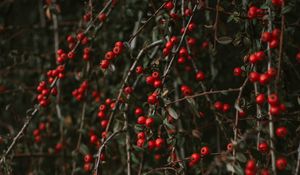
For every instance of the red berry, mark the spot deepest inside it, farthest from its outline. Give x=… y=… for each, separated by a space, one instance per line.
x=87 y=167
x=159 y=142
x=229 y=147
x=273 y=99
x=104 y=64
x=157 y=83
x=188 y=12
x=150 y=80
x=264 y=79
x=149 y=122
x=169 y=45
x=242 y=113
x=205 y=151
x=109 y=55
x=174 y=39
x=191 y=41
x=254 y=76
x=266 y=36
x=218 y=105
x=252 y=12
x=276 y=32
x=155 y=75
x=260 y=55
x=263 y=147
x=192 y=26
x=204 y=45
x=93 y=139
x=128 y=90
x=88 y=158
x=169 y=5
x=260 y=99
x=117 y=51
x=42 y=126
x=101 y=114
x=141 y=135
x=70 y=39
x=298 y=57
x=151 y=145
x=36 y=132
x=104 y=123
x=251 y=165
x=281 y=132
x=272 y=72
x=200 y=76
x=226 y=107
x=183 y=52
x=195 y=157
x=281 y=163
x=141 y=120
x=139 y=69
x=253 y=58
x=237 y=71
x=152 y=99
x=181 y=60
x=273 y=44
x=140 y=142
x=138 y=111
x=102 y=17
x=264 y=172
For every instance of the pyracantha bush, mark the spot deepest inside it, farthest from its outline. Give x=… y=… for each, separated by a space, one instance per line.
x=150 y=87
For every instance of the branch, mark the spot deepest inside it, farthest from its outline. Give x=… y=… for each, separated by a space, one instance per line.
x=204 y=94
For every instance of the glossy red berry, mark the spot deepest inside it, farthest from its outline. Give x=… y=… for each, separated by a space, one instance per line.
x=281 y=163
x=102 y=17
x=141 y=120
x=150 y=80
x=205 y=150
x=88 y=158
x=151 y=144
x=87 y=167
x=273 y=44
x=229 y=147
x=218 y=105
x=141 y=135
x=260 y=99
x=266 y=36
x=251 y=165
x=195 y=157
x=169 y=5
x=226 y=107
x=138 y=111
x=273 y=99
x=192 y=26
x=140 y=142
x=139 y=69
x=264 y=79
x=159 y=142
x=263 y=147
x=104 y=64
x=200 y=76
x=254 y=77
x=149 y=122
x=237 y=71
x=281 y=132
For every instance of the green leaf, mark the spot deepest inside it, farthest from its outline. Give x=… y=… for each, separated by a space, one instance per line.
x=224 y=40
x=84 y=149
x=172 y=113
x=286 y=9
x=241 y=157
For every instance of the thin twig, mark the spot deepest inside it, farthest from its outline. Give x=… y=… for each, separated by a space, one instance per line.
x=204 y=94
